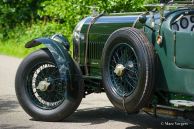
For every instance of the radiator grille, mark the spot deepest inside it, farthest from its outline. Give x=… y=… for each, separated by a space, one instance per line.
x=95 y=50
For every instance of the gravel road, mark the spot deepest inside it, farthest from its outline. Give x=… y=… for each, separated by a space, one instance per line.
x=95 y=111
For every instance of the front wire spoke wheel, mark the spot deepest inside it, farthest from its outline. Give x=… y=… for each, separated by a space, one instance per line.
x=41 y=89
x=44 y=88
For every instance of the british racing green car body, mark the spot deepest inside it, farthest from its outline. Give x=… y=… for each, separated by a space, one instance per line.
x=141 y=60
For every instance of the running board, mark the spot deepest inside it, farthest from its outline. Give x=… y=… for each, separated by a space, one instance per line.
x=170 y=111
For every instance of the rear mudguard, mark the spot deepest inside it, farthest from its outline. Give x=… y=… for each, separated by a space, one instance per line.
x=68 y=69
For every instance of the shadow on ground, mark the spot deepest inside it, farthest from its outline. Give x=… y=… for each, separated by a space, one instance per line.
x=7 y=126
x=7 y=105
x=140 y=121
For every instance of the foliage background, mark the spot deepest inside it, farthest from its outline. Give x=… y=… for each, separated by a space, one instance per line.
x=23 y=20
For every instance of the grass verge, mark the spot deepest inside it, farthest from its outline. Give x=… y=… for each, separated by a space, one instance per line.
x=14 y=49
x=16 y=38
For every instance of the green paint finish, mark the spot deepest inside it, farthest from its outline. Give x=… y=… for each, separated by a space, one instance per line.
x=172 y=77
x=98 y=35
x=176 y=64
x=184 y=52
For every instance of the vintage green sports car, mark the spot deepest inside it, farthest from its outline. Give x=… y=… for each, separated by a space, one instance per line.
x=143 y=61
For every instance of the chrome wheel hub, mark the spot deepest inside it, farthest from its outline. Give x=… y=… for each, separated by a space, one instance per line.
x=43 y=85
x=119 y=70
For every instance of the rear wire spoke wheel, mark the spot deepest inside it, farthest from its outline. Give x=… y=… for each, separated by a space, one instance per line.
x=128 y=69
x=41 y=91
x=125 y=82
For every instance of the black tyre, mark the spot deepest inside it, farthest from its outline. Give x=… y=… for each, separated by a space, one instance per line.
x=42 y=93
x=128 y=69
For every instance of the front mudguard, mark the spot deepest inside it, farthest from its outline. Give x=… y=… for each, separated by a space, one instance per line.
x=70 y=72
x=58 y=51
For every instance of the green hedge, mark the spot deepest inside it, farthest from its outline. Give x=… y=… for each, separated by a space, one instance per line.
x=66 y=12
x=22 y=20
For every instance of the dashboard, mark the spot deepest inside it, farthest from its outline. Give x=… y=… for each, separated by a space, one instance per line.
x=185 y=24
